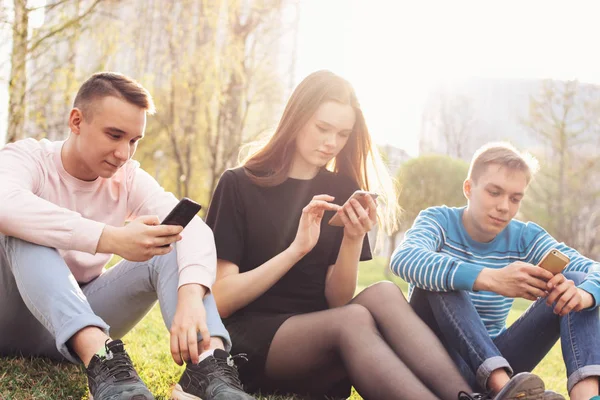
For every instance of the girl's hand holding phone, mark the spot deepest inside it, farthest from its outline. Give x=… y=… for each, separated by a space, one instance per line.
x=358 y=217
x=309 y=227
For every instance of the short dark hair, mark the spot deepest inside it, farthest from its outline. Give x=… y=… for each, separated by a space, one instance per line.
x=103 y=84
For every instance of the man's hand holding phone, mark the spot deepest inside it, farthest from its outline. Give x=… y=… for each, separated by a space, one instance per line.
x=565 y=297
x=518 y=279
x=139 y=240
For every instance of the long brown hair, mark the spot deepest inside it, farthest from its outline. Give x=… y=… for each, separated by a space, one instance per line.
x=359 y=159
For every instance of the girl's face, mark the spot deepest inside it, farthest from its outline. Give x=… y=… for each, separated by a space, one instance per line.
x=324 y=135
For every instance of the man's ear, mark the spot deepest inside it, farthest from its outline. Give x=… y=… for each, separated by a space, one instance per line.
x=467 y=186
x=75 y=120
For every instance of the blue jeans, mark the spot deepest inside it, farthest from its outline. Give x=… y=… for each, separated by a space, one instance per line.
x=520 y=347
x=43 y=306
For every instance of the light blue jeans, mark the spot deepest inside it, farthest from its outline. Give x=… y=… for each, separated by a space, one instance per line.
x=42 y=306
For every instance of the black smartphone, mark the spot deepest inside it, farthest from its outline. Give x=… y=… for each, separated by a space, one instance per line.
x=182 y=213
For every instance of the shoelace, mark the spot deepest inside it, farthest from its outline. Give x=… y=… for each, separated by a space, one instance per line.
x=118 y=366
x=468 y=396
x=228 y=370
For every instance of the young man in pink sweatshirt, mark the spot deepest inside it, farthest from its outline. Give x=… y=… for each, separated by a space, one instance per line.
x=62 y=211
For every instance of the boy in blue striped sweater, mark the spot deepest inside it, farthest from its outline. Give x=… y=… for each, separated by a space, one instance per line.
x=466 y=265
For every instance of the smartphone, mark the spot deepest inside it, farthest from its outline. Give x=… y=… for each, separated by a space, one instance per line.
x=361 y=196
x=182 y=213
x=554 y=261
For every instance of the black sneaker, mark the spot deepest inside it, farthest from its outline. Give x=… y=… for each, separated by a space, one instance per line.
x=215 y=378
x=523 y=386
x=113 y=377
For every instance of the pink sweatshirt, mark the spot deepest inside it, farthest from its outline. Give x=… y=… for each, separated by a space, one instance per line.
x=41 y=203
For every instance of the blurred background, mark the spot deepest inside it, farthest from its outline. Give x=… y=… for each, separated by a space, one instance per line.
x=435 y=79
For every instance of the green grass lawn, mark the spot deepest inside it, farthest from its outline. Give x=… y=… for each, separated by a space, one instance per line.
x=147 y=344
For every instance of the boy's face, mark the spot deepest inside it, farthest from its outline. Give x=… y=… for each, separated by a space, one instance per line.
x=493 y=200
x=107 y=140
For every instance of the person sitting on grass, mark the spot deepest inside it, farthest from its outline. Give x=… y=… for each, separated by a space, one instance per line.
x=62 y=214
x=286 y=279
x=466 y=265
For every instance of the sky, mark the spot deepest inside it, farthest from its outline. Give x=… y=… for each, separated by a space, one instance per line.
x=394 y=52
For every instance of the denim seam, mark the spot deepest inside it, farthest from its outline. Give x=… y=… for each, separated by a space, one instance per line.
x=482 y=362
x=572 y=342
x=462 y=336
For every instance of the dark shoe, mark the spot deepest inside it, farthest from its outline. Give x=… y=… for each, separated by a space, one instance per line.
x=113 y=377
x=551 y=395
x=215 y=378
x=523 y=386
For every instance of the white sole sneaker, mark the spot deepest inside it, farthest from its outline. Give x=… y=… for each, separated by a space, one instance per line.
x=178 y=394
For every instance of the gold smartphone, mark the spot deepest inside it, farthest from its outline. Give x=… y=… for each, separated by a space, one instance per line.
x=554 y=261
x=361 y=196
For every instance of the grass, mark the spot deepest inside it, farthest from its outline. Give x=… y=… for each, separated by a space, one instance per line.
x=147 y=343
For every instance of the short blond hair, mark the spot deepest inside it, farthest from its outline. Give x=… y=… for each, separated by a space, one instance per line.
x=505 y=155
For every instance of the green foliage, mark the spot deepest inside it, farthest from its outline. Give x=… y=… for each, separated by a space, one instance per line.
x=430 y=180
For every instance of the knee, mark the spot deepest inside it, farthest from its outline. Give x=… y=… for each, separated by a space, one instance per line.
x=576 y=277
x=383 y=292
x=354 y=318
x=19 y=248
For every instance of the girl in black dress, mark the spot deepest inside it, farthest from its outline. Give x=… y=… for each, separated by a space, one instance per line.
x=286 y=278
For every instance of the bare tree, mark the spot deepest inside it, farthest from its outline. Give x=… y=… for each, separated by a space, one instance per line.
x=25 y=49
x=18 y=73
x=565 y=120
x=452 y=119
x=250 y=83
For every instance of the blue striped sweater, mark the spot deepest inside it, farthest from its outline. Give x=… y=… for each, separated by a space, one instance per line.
x=437 y=254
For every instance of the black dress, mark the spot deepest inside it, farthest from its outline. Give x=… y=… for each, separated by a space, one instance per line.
x=253 y=224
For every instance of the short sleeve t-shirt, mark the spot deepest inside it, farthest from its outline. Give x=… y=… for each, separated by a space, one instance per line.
x=253 y=224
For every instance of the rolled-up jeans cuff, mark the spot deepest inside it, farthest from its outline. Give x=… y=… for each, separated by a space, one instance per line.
x=73 y=326
x=491 y=364
x=581 y=374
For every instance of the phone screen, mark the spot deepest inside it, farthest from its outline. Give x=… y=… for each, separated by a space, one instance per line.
x=359 y=195
x=182 y=213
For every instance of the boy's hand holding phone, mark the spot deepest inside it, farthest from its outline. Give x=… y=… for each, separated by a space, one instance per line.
x=146 y=237
x=565 y=297
x=139 y=240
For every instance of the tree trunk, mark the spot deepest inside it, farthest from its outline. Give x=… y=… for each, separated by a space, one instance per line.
x=18 y=74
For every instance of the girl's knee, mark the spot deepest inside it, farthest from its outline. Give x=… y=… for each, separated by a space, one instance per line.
x=354 y=317
x=383 y=292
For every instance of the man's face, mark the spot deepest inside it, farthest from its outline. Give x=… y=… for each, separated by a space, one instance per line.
x=493 y=200
x=109 y=138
